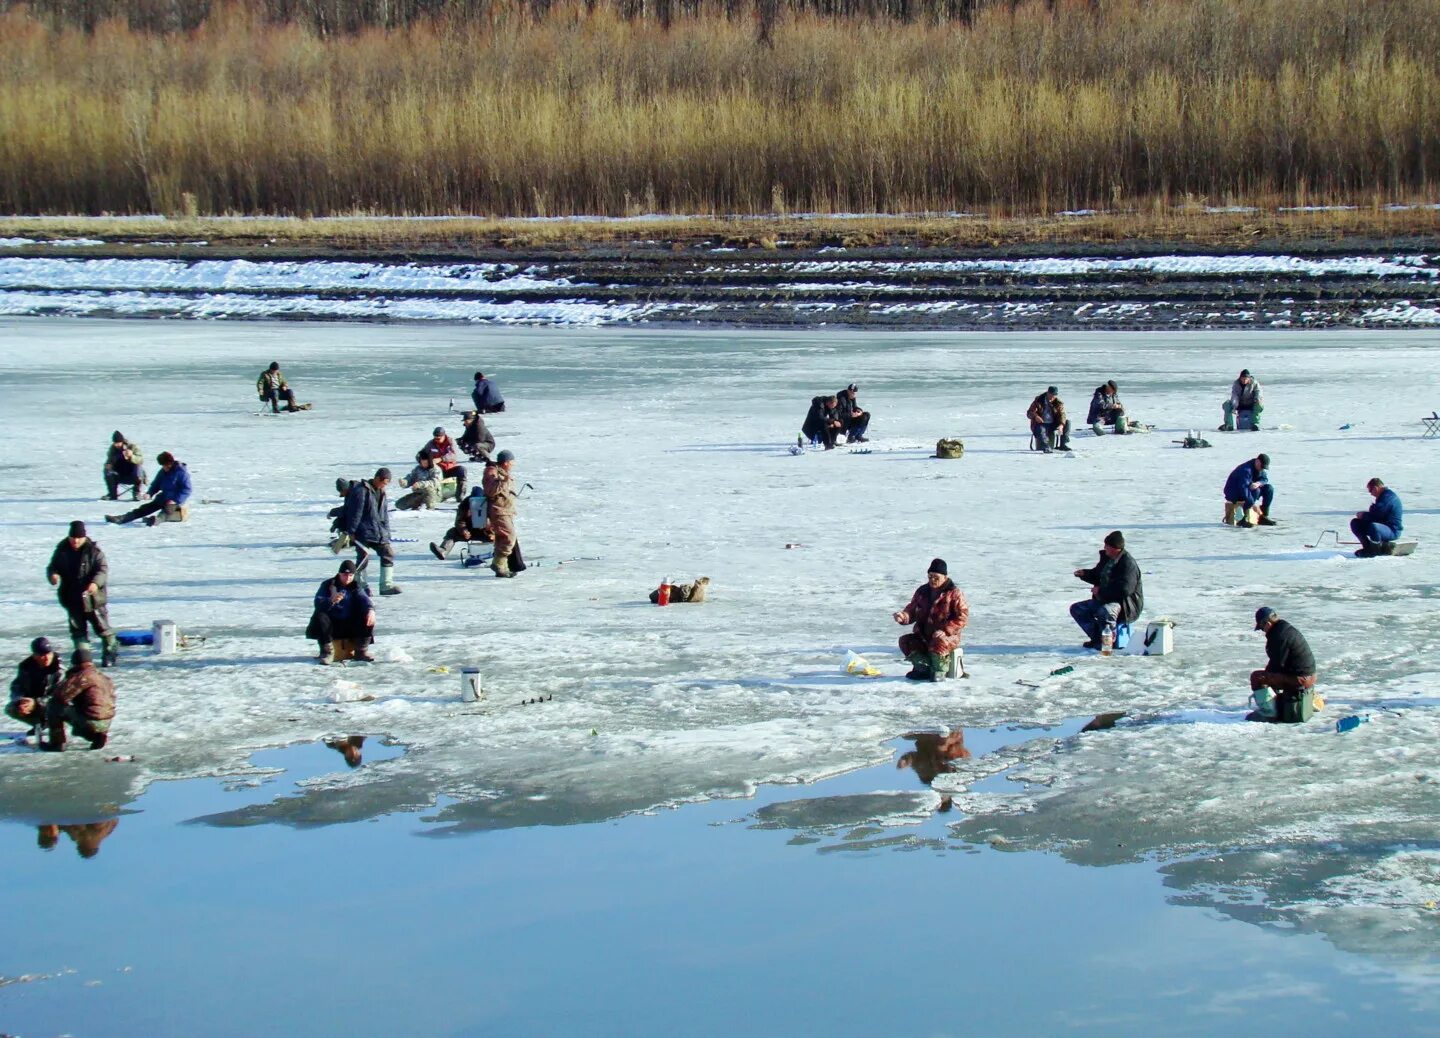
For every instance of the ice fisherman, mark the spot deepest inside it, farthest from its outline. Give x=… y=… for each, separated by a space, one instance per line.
x=1289 y=665
x=1048 y=423
x=939 y=612
x=79 y=573
x=35 y=682
x=447 y=458
x=366 y=521
x=342 y=610
x=1248 y=490
x=822 y=422
x=124 y=467
x=471 y=523
x=476 y=441
x=500 y=494
x=272 y=388
x=84 y=701
x=1243 y=408
x=1117 y=595
x=1105 y=407
x=426 y=484
x=169 y=491
x=486 y=395
x=854 y=421
x=1380 y=526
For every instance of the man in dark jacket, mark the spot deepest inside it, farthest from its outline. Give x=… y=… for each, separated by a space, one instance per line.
x=822 y=421
x=367 y=520
x=939 y=612
x=853 y=420
x=80 y=574
x=1049 y=425
x=272 y=388
x=1105 y=407
x=169 y=491
x=1289 y=665
x=476 y=441
x=1117 y=598
x=34 y=684
x=123 y=467
x=1248 y=490
x=486 y=395
x=85 y=701
x=1380 y=526
x=342 y=610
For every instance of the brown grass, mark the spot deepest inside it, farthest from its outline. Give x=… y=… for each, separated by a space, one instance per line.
x=1145 y=107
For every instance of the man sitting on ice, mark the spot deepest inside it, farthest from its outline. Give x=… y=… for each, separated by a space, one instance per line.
x=35 y=682
x=342 y=610
x=476 y=441
x=124 y=467
x=85 y=701
x=1380 y=526
x=853 y=420
x=1105 y=407
x=1248 y=490
x=1289 y=666
x=169 y=491
x=1242 y=410
x=447 y=458
x=272 y=388
x=426 y=485
x=822 y=422
x=1048 y=424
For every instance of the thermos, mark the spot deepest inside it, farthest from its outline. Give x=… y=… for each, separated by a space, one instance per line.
x=663 y=598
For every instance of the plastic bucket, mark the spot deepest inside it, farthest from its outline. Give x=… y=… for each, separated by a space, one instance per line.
x=470 y=685
x=166 y=637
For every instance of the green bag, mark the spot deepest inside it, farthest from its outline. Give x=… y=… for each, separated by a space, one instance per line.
x=1295 y=707
x=949 y=449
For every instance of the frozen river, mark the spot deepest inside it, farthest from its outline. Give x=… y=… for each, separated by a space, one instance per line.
x=663 y=453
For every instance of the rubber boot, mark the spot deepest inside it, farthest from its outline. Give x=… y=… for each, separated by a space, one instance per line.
x=83 y=642
x=327 y=654
x=516 y=561
x=1229 y=519
x=920 y=666
x=387 y=581
x=442 y=550
x=111 y=653
x=56 y=740
x=939 y=667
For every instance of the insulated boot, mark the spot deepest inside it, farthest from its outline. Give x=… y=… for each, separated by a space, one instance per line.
x=442 y=550
x=920 y=667
x=98 y=740
x=1265 y=520
x=939 y=667
x=516 y=561
x=387 y=581
x=111 y=653
x=327 y=654
x=56 y=740
x=501 y=566
x=79 y=643
x=114 y=519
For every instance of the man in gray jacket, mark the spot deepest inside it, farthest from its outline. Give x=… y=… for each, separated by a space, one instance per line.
x=1243 y=409
x=367 y=520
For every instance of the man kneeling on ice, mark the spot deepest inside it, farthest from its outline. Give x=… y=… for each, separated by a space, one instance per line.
x=939 y=612
x=1117 y=596
x=342 y=610
x=1380 y=526
x=853 y=419
x=169 y=491
x=34 y=684
x=1105 y=408
x=1289 y=673
x=85 y=701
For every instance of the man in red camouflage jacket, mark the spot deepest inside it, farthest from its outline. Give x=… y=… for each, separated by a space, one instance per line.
x=939 y=612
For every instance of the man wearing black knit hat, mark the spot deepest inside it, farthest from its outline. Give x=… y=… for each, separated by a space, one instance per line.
x=79 y=573
x=1117 y=596
x=853 y=420
x=939 y=612
x=124 y=463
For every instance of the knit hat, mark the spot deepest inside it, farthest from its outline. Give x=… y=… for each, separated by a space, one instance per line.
x=1263 y=616
x=77 y=529
x=1052 y=391
x=81 y=655
x=1244 y=372
x=479 y=375
x=1114 y=539
x=346 y=567
x=117 y=437
x=274 y=365
x=439 y=431
x=1264 y=460
x=382 y=474
x=504 y=456
x=938 y=566
x=40 y=646
x=853 y=388
x=164 y=457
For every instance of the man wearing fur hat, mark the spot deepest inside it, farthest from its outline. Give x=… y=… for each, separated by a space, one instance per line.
x=939 y=612
x=79 y=573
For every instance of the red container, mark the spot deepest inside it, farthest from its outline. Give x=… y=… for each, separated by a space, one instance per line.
x=664 y=596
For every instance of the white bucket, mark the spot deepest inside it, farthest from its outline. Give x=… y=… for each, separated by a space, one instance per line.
x=1159 y=638
x=470 y=686
x=166 y=637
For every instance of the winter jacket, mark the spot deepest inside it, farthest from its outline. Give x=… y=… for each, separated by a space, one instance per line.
x=818 y=418
x=173 y=485
x=77 y=569
x=1104 y=405
x=1039 y=407
x=939 y=611
x=36 y=680
x=444 y=451
x=1117 y=580
x=1287 y=651
x=268 y=381
x=1245 y=398
x=90 y=692
x=477 y=438
x=1237 y=485
x=125 y=461
x=367 y=514
x=1387 y=511
x=420 y=474
x=355 y=605
x=486 y=395
x=499 y=490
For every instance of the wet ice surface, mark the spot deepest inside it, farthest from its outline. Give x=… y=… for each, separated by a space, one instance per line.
x=656 y=454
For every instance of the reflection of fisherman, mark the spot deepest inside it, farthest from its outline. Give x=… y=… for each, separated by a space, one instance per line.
x=35 y=682
x=933 y=755
x=88 y=836
x=351 y=748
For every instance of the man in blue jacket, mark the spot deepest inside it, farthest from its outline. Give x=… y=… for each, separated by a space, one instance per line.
x=486 y=395
x=1248 y=489
x=366 y=519
x=342 y=610
x=1379 y=527
x=169 y=491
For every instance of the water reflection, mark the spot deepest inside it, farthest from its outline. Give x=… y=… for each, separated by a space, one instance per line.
x=87 y=836
x=934 y=754
x=351 y=748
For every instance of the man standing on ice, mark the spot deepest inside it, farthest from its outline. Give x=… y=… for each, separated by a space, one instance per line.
x=499 y=487
x=169 y=491
x=1117 y=597
x=1289 y=665
x=1380 y=526
x=1248 y=490
x=939 y=612
x=366 y=519
x=342 y=610
x=79 y=573
x=486 y=395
